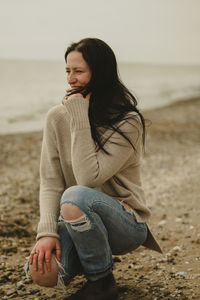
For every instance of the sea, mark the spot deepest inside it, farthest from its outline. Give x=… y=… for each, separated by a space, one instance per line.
x=29 y=88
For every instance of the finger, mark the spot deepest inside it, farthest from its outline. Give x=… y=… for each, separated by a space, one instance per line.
x=88 y=96
x=35 y=261
x=69 y=90
x=31 y=256
x=58 y=250
x=48 y=260
x=58 y=254
x=75 y=96
x=31 y=259
x=41 y=262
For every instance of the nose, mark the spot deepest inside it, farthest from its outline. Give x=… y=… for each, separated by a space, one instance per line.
x=71 y=78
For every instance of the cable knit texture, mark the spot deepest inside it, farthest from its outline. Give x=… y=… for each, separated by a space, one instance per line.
x=70 y=157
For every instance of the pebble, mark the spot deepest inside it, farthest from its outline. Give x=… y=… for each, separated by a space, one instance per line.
x=161 y=223
x=11 y=292
x=33 y=291
x=139 y=267
x=176 y=249
x=20 y=285
x=182 y=275
x=178 y=220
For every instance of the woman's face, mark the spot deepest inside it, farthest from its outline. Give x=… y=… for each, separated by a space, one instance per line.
x=78 y=71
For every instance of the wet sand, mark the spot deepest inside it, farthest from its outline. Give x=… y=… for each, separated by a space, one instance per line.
x=171 y=172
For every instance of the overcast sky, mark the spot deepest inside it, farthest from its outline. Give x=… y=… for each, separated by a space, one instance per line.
x=147 y=31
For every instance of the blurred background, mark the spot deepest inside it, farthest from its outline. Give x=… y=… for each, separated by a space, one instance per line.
x=157 y=45
x=156 y=42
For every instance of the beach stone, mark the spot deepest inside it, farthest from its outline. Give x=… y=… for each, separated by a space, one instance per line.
x=182 y=275
x=28 y=281
x=13 y=295
x=33 y=291
x=162 y=223
x=138 y=267
x=177 y=220
x=176 y=249
x=11 y=292
x=20 y=285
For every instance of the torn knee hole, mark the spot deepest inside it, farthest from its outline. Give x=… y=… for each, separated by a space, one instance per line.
x=70 y=211
x=80 y=224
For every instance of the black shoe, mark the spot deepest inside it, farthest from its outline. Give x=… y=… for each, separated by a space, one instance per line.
x=102 y=289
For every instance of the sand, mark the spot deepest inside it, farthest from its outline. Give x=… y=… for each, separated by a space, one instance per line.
x=171 y=172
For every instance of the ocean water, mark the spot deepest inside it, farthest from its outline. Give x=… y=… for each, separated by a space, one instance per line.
x=30 y=88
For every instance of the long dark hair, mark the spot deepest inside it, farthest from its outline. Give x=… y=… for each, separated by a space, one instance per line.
x=110 y=100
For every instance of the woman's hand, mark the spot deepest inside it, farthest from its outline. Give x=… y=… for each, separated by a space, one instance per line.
x=74 y=96
x=71 y=96
x=42 y=253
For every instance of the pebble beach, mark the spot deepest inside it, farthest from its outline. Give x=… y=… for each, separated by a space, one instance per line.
x=170 y=175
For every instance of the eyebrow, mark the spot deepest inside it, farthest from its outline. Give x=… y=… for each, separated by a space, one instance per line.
x=73 y=68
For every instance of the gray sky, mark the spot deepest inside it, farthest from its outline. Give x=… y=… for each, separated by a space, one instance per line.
x=149 y=31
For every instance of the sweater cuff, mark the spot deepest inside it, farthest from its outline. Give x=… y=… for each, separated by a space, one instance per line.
x=77 y=109
x=47 y=227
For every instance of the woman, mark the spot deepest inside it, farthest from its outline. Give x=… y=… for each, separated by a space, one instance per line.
x=90 y=177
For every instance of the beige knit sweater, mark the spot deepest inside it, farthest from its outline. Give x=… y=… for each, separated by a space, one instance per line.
x=70 y=157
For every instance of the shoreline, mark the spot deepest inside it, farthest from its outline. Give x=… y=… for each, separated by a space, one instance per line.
x=144 y=111
x=170 y=176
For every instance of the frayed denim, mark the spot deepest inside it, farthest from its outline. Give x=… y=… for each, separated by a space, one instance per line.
x=88 y=242
x=105 y=229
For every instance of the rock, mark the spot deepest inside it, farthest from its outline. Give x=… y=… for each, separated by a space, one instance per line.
x=176 y=249
x=177 y=220
x=130 y=266
x=20 y=285
x=11 y=292
x=183 y=275
x=161 y=223
x=28 y=281
x=138 y=267
x=33 y=291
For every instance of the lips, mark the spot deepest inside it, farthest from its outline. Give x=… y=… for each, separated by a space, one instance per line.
x=75 y=87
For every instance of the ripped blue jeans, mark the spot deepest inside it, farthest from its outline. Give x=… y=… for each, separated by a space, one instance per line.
x=105 y=229
x=88 y=243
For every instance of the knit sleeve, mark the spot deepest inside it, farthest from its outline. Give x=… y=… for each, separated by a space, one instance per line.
x=52 y=182
x=93 y=167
